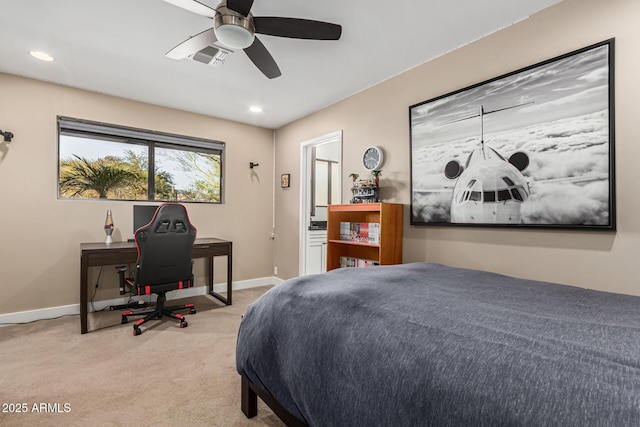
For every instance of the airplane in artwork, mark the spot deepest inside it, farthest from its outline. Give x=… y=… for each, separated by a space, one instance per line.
x=489 y=187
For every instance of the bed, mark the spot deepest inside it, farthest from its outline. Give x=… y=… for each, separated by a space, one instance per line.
x=427 y=344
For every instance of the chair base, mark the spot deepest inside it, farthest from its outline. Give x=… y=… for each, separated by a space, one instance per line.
x=158 y=312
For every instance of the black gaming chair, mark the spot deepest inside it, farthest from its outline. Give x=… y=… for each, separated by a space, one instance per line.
x=164 y=263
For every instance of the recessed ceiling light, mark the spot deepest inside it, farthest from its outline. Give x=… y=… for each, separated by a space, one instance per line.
x=43 y=56
x=255 y=109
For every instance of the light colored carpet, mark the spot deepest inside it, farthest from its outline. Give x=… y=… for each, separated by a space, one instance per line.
x=167 y=376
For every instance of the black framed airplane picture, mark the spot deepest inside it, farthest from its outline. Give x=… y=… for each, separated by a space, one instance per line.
x=532 y=148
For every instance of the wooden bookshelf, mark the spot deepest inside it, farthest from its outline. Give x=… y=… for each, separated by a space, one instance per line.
x=388 y=215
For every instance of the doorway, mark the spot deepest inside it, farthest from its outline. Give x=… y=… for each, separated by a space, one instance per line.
x=321 y=173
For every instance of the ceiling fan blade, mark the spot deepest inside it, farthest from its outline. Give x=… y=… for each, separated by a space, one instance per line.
x=192 y=44
x=260 y=56
x=243 y=7
x=297 y=28
x=194 y=6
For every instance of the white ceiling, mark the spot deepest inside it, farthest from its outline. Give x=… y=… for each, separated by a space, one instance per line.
x=117 y=47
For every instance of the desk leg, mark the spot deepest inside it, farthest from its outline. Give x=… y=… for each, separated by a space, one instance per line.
x=84 y=272
x=210 y=259
x=229 y=277
x=226 y=300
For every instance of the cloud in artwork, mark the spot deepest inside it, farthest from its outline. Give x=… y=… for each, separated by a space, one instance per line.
x=568 y=171
x=432 y=207
x=567 y=204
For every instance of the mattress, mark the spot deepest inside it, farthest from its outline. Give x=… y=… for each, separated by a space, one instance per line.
x=428 y=344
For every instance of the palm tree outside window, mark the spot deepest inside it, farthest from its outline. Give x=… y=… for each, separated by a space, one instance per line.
x=100 y=161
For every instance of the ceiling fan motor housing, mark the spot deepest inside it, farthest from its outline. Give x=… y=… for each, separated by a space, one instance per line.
x=233 y=29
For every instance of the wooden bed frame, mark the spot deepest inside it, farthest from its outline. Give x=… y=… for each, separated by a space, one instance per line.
x=249 y=404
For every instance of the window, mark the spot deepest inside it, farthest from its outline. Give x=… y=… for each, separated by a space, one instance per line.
x=489 y=196
x=508 y=181
x=97 y=160
x=504 y=195
x=516 y=194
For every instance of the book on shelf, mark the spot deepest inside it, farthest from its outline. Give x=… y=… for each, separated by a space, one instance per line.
x=345 y=231
x=365 y=232
x=374 y=233
x=347 y=261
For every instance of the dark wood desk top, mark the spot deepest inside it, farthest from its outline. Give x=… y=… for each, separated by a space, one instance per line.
x=119 y=246
x=99 y=253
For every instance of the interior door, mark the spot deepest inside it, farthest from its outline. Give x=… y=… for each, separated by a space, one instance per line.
x=322 y=157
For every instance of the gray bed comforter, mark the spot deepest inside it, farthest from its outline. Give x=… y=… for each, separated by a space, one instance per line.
x=426 y=344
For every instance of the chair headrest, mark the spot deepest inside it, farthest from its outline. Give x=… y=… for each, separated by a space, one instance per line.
x=169 y=218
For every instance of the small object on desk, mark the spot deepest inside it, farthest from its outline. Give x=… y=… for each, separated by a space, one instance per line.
x=108 y=228
x=143 y=215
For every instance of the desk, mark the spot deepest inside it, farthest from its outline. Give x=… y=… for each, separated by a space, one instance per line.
x=96 y=254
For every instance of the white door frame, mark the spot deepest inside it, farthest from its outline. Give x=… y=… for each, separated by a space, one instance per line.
x=305 y=190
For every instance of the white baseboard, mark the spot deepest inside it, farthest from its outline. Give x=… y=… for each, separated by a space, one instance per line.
x=66 y=310
x=43 y=313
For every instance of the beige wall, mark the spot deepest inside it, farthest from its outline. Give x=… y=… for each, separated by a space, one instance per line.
x=40 y=235
x=379 y=116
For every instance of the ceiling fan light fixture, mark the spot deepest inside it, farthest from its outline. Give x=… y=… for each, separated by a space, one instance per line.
x=234 y=37
x=233 y=30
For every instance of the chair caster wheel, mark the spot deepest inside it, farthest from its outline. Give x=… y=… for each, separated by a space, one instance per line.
x=124 y=320
x=136 y=331
x=184 y=324
x=192 y=310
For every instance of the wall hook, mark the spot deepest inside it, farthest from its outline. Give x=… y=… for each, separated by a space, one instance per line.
x=252 y=165
x=8 y=135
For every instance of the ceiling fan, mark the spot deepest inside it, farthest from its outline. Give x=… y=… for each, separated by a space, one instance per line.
x=235 y=27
